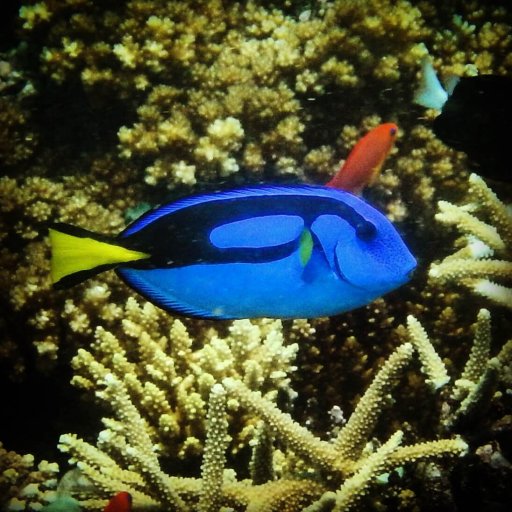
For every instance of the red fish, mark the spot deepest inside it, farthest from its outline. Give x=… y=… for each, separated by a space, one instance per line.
x=364 y=162
x=121 y=502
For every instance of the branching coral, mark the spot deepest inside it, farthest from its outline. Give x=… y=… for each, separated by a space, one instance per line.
x=191 y=72
x=22 y=482
x=474 y=265
x=129 y=456
x=27 y=206
x=17 y=138
x=212 y=469
x=172 y=385
x=471 y=393
x=171 y=378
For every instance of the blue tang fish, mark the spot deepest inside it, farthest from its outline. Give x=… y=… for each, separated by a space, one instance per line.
x=270 y=251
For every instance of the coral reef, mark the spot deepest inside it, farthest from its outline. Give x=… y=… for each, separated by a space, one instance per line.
x=18 y=140
x=216 y=89
x=171 y=375
x=473 y=265
x=109 y=108
x=168 y=96
x=131 y=451
x=129 y=456
x=21 y=481
x=27 y=206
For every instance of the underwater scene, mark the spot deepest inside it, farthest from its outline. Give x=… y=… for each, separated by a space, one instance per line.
x=255 y=256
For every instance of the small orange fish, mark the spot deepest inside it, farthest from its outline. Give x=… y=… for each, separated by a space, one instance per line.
x=364 y=162
x=121 y=502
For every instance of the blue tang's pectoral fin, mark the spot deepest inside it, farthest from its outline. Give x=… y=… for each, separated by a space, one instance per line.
x=308 y=256
x=305 y=247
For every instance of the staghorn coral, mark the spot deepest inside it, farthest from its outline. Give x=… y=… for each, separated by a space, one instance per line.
x=128 y=454
x=473 y=265
x=172 y=390
x=212 y=469
x=432 y=364
x=471 y=394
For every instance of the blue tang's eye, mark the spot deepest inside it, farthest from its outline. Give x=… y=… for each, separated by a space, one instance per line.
x=366 y=231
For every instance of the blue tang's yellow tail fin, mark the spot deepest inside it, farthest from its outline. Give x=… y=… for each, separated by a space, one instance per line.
x=78 y=254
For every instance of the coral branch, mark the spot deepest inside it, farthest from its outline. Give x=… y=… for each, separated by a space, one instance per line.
x=472 y=265
x=355 y=433
x=214 y=457
x=432 y=364
x=356 y=486
x=296 y=437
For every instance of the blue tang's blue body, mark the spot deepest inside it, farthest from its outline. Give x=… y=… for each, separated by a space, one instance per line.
x=272 y=251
